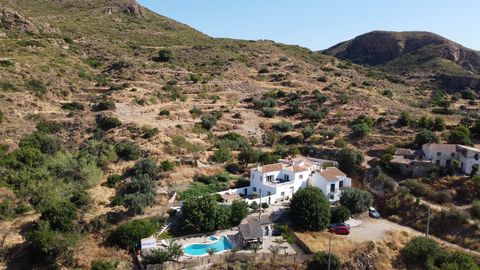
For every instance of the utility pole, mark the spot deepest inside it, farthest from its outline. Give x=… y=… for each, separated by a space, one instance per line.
x=428 y=223
x=329 y=251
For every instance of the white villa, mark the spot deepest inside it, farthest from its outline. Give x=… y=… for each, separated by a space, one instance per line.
x=279 y=181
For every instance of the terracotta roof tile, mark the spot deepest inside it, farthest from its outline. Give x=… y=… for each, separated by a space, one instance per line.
x=332 y=173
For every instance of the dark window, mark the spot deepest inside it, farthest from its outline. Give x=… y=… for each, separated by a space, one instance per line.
x=270 y=178
x=452 y=154
x=286 y=177
x=439 y=154
x=254 y=189
x=437 y=162
x=332 y=187
x=340 y=185
x=476 y=156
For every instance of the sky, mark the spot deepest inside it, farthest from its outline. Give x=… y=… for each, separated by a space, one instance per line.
x=319 y=24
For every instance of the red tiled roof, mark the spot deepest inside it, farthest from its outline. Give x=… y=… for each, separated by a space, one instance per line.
x=332 y=173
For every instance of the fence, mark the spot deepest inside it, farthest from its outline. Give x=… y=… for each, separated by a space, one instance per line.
x=230 y=257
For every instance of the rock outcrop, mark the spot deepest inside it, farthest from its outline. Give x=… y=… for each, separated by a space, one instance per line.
x=12 y=20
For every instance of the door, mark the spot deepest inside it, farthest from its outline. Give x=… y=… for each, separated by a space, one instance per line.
x=245 y=192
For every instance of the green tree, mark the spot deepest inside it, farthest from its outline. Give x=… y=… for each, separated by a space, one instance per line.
x=339 y=214
x=128 y=234
x=239 y=211
x=460 y=135
x=146 y=166
x=320 y=261
x=458 y=260
x=405 y=119
x=60 y=216
x=309 y=209
x=350 y=160
x=249 y=155
x=439 y=124
x=362 y=126
x=103 y=265
x=200 y=214
x=164 y=55
x=421 y=251
x=356 y=200
x=425 y=136
x=283 y=126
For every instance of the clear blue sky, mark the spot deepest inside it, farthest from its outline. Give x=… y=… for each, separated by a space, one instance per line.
x=318 y=24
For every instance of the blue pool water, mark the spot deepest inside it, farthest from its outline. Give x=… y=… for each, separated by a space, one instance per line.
x=212 y=238
x=220 y=245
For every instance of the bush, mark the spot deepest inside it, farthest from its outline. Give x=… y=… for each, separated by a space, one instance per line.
x=387 y=93
x=102 y=152
x=421 y=251
x=320 y=261
x=469 y=94
x=405 y=119
x=339 y=214
x=262 y=103
x=269 y=112
x=104 y=106
x=222 y=155
x=238 y=211
x=107 y=122
x=350 y=160
x=309 y=209
x=195 y=112
x=164 y=113
x=113 y=180
x=425 y=136
x=166 y=166
x=60 y=216
x=164 y=55
x=137 y=202
x=127 y=150
x=249 y=155
x=103 y=265
x=50 y=127
x=356 y=200
x=204 y=214
x=283 y=126
x=362 y=126
x=444 y=196
x=73 y=106
x=159 y=256
x=208 y=121
x=145 y=167
x=37 y=87
x=129 y=234
x=417 y=189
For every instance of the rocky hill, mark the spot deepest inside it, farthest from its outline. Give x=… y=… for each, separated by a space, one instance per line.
x=409 y=53
x=102 y=76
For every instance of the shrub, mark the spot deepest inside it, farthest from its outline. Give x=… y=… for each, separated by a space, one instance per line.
x=322 y=79
x=73 y=106
x=137 y=202
x=164 y=55
x=309 y=209
x=362 y=126
x=60 y=216
x=356 y=200
x=103 y=265
x=439 y=124
x=127 y=150
x=164 y=112
x=444 y=196
x=458 y=260
x=50 y=127
x=238 y=211
x=222 y=155
x=149 y=132
x=283 y=126
x=249 y=155
x=417 y=189
x=195 y=112
x=204 y=214
x=308 y=132
x=102 y=152
x=387 y=93
x=128 y=234
x=107 y=122
x=339 y=214
x=166 y=166
x=104 y=106
x=269 y=112
x=425 y=136
x=113 y=180
x=262 y=103
x=208 y=121
x=469 y=94
x=421 y=251
x=320 y=261
x=37 y=87
x=145 y=167
x=405 y=119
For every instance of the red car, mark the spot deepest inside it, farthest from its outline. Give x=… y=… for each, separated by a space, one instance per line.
x=343 y=230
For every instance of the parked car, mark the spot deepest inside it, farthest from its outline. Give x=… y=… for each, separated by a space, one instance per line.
x=333 y=225
x=343 y=230
x=372 y=212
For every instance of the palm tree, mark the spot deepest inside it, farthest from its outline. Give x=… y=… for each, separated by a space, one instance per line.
x=211 y=251
x=274 y=250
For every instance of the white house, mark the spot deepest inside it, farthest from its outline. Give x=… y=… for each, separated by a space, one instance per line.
x=331 y=181
x=443 y=155
x=279 y=181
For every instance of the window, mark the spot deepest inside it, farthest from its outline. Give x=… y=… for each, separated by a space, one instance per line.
x=332 y=197
x=300 y=176
x=270 y=178
x=282 y=193
x=332 y=187
x=452 y=154
x=439 y=154
x=254 y=189
x=340 y=185
x=437 y=162
x=286 y=177
x=476 y=156
x=269 y=193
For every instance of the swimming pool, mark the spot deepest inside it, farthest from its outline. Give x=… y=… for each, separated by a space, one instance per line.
x=221 y=245
x=212 y=238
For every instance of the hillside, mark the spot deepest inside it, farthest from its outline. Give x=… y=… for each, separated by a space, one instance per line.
x=409 y=53
x=89 y=88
